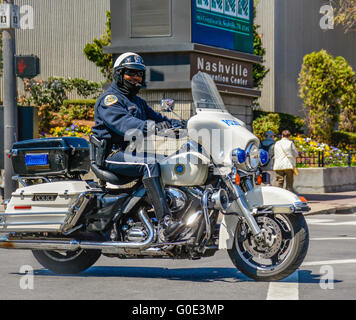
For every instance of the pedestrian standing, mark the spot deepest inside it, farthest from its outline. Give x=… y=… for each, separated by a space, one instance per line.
x=2 y=185
x=285 y=154
x=268 y=145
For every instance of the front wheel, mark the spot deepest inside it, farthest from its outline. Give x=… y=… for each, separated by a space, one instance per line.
x=69 y=262
x=285 y=245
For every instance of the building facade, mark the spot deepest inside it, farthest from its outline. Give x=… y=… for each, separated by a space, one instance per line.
x=178 y=38
x=291 y=29
x=56 y=32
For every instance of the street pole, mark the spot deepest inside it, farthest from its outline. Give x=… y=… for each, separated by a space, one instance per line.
x=10 y=105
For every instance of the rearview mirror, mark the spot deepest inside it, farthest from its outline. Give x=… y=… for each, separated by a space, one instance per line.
x=167 y=105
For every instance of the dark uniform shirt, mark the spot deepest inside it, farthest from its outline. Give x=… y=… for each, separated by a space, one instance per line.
x=267 y=143
x=115 y=113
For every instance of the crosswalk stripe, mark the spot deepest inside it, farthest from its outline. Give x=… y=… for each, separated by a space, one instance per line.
x=328 y=262
x=333 y=238
x=286 y=289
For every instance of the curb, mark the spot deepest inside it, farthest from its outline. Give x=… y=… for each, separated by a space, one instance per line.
x=333 y=210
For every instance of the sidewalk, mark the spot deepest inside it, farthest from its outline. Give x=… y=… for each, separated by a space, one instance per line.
x=324 y=203
x=330 y=203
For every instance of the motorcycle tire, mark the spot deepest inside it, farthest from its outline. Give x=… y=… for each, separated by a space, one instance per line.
x=295 y=253
x=70 y=262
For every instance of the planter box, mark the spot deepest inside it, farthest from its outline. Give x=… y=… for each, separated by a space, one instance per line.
x=324 y=180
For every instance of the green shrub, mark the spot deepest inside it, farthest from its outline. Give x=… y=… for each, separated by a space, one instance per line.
x=264 y=123
x=341 y=139
x=277 y=122
x=51 y=97
x=86 y=88
x=95 y=53
x=80 y=102
x=328 y=88
x=77 y=110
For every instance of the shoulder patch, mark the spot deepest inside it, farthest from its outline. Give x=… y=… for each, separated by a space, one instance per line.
x=110 y=100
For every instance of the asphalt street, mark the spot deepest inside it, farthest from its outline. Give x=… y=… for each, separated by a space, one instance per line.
x=328 y=273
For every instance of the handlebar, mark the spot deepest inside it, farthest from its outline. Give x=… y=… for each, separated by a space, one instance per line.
x=177 y=132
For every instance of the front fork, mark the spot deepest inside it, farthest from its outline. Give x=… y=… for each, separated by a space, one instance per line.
x=246 y=212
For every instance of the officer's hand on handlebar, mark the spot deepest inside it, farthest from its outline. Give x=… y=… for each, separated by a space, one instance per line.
x=180 y=124
x=162 y=126
x=175 y=123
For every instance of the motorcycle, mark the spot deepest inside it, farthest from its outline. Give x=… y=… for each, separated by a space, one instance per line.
x=212 y=185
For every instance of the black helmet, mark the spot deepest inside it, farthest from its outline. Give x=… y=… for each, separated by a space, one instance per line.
x=129 y=60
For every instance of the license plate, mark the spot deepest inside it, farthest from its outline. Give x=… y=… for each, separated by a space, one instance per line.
x=38 y=159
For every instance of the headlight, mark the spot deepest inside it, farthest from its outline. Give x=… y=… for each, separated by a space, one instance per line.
x=252 y=156
x=238 y=155
x=264 y=157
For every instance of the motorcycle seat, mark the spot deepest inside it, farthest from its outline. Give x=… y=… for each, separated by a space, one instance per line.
x=98 y=151
x=110 y=177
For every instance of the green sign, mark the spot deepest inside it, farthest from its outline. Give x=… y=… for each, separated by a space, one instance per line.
x=223 y=23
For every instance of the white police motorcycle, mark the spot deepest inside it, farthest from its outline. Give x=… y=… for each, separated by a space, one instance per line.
x=213 y=185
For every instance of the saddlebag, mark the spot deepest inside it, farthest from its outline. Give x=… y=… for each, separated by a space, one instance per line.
x=51 y=157
x=46 y=207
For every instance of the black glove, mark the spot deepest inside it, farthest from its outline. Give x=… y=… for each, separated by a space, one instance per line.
x=175 y=123
x=178 y=123
x=161 y=126
x=183 y=123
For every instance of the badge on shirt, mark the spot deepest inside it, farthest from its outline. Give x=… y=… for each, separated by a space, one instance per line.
x=110 y=100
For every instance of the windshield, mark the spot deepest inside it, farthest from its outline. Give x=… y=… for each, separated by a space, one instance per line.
x=205 y=94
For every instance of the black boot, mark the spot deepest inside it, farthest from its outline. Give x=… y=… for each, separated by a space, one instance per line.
x=155 y=191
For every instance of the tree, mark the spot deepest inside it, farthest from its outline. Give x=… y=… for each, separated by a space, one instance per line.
x=1 y=60
x=259 y=70
x=345 y=14
x=94 y=51
x=327 y=86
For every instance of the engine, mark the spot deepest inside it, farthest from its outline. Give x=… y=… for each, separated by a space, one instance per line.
x=134 y=231
x=185 y=205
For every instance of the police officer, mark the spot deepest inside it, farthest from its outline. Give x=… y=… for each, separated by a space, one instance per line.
x=120 y=110
x=268 y=145
x=269 y=141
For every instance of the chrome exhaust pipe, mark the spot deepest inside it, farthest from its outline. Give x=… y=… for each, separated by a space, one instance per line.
x=108 y=246
x=71 y=245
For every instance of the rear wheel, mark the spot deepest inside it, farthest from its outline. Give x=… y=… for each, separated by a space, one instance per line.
x=285 y=245
x=67 y=262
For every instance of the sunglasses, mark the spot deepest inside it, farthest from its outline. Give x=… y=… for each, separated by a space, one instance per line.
x=131 y=73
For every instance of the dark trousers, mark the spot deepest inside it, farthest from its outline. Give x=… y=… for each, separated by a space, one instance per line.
x=132 y=164
x=286 y=175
